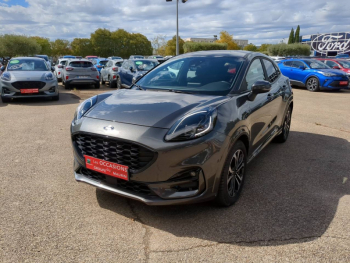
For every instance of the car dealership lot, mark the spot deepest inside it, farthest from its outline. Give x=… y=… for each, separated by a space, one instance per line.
x=295 y=205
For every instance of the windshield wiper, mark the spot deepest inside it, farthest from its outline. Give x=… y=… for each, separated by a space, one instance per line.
x=179 y=91
x=139 y=87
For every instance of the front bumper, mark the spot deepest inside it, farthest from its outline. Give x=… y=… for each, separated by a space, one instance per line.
x=49 y=90
x=161 y=178
x=334 y=83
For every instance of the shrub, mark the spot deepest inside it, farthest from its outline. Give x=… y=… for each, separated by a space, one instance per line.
x=194 y=46
x=289 y=50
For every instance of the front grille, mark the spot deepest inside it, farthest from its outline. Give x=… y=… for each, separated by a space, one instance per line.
x=28 y=84
x=130 y=186
x=113 y=150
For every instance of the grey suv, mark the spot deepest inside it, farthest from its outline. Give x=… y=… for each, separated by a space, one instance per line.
x=80 y=72
x=109 y=72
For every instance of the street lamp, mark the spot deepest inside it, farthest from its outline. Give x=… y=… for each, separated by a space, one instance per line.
x=177 y=23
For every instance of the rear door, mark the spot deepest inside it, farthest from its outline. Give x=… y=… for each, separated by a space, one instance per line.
x=81 y=70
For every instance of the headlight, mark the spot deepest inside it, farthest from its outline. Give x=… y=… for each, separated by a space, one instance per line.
x=193 y=125
x=328 y=74
x=6 y=76
x=84 y=107
x=49 y=76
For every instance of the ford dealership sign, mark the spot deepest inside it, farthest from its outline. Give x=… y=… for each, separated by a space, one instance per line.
x=330 y=42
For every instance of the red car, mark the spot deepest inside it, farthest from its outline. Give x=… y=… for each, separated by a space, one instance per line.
x=342 y=64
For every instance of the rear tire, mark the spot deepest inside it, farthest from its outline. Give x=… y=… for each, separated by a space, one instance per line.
x=233 y=175
x=312 y=84
x=66 y=86
x=97 y=85
x=102 y=81
x=286 y=127
x=111 y=83
x=5 y=100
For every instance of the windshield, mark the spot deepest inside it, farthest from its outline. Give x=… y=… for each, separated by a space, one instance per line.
x=345 y=64
x=202 y=75
x=27 y=65
x=145 y=65
x=314 y=64
x=116 y=58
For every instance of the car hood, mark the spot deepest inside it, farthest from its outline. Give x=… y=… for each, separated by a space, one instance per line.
x=27 y=75
x=334 y=71
x=150 y=108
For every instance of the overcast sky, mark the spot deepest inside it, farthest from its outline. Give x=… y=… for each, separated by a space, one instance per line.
x=259 y=21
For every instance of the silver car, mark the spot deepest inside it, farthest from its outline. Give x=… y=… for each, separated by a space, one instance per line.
x=80 y=72
x=27 y=77
x=59 y=67
x=110 y=71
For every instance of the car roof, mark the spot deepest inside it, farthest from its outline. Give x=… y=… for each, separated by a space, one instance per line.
x=34 y=58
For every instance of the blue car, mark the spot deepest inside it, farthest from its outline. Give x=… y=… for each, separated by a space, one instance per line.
x=313 y=74
x=99 y=63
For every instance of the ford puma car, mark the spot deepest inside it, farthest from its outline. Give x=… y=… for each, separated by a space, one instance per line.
x=185 y=131
x=27 y=77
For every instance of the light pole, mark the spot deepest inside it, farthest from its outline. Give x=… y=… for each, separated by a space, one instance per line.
x=177 y=23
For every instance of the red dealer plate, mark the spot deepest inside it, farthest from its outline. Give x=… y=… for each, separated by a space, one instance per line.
x=343 y=83
x=105 y=167
x=29 y=90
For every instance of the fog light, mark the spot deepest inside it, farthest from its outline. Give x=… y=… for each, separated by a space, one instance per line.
x=6 y=91
x=52 y=89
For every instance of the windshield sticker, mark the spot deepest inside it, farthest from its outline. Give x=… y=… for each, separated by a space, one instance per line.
x=138 y=63
x=17 y=66
x=15 y=61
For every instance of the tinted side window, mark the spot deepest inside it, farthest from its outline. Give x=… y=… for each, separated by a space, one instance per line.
x=125 y=64
x=118 y=64
x=288 y=63
x=297 y=64
x=80 y=64
x=109 y=64
x=272 y=74
x=255 y=73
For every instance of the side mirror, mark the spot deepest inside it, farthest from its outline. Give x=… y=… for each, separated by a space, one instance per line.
x=2 y=68
x=336 y=67
x=261 y=86
x=302 y=67
x=131 y=69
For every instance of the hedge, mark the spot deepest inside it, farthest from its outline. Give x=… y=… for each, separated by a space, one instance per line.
x=194 y=46
x=289 y=50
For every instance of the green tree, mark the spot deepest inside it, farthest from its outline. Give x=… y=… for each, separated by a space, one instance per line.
x=60 y=47
x=121 y=41
x=44 y=44
x=296 y=49
x=291 y=37
x=250 y=47
x=297 y=35
x=170 y=49
x=16 y=45
x=195 y=46
x=102 y=42
x=82 y=47
x=225 y=37
x=263 y=48
x=140 y=45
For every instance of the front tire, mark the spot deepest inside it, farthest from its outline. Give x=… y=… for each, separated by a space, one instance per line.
x=286 y=127
x=233 y=175
x=312 y=84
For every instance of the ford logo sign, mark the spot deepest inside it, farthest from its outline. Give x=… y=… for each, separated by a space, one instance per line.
x=108 y=128
x=327 y=42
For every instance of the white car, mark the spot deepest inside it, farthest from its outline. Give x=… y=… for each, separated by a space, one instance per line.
x=277 y=59
x=59 y=67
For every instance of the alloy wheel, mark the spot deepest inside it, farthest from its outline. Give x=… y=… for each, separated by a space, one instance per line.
x=312 y=84
x=236 y=173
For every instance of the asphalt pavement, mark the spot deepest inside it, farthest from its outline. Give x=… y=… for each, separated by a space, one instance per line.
x=295 y=206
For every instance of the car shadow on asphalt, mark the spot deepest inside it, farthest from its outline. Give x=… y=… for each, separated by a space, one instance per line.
x=291 y=194
x=65 y=98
